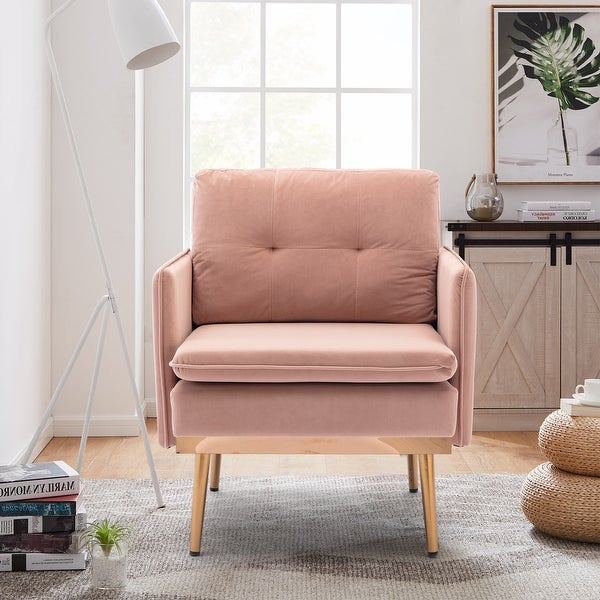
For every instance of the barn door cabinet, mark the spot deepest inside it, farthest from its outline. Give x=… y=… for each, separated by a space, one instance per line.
x=538 y=315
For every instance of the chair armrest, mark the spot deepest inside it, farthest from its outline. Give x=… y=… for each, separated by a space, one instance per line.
x=172 y=323
x=457 y=324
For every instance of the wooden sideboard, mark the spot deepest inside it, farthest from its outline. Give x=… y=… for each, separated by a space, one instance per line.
x=538 y=315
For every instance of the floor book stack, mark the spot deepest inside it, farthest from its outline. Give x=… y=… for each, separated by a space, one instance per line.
x=42 y=518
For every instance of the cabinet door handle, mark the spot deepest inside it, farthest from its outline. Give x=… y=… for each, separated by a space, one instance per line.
x=568 y=249
x=552 y=249
x=460 y=242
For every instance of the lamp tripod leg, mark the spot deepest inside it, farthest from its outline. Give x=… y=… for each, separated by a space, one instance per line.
x=105 y=301
x=90 y=402
x=138 y=408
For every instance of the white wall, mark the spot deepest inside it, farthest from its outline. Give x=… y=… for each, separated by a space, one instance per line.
x=24 y=225
x=456 y=105
x=99 y=92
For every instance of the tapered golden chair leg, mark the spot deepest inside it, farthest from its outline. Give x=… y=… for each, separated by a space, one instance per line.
x=413 y=473
x=198 y=502
x=429 y=508
x=215 y=472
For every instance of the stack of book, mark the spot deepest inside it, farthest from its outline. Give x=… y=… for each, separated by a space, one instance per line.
x=577 y=210
x=41 y=518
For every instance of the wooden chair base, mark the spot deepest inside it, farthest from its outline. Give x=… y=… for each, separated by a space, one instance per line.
x=421 y=463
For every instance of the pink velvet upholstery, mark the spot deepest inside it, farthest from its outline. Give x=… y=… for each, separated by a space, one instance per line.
x=314 y=409
x=457 y=324
x=315 y=302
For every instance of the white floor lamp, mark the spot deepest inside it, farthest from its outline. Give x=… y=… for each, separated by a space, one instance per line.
x=145 y=38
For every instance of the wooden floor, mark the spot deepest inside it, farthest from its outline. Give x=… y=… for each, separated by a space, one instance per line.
x=124 y=457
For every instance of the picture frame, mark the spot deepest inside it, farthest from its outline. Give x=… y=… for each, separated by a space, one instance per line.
x=546 y=93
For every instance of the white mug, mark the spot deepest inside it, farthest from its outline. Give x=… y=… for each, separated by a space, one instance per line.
x=590 y=390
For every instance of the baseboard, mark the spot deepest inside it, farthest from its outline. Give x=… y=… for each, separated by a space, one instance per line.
x=45 y=437
x=99 y=426
x=150 y=407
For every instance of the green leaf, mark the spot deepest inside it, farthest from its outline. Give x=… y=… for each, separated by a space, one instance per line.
x=106 y=534
x=558 y=54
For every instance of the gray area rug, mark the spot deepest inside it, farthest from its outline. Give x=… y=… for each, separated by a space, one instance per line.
x=328 y=538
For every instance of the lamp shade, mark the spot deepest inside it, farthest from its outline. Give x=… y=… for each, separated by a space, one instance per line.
x=143 y=32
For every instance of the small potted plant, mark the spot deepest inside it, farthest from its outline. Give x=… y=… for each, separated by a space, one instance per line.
x=106 y=541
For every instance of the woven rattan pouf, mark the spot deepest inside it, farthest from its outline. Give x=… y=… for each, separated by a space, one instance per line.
x=562 y=504
x=571 y=443
x=562 y=497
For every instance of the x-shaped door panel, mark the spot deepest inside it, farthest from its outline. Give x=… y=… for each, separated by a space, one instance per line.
x=518 y=353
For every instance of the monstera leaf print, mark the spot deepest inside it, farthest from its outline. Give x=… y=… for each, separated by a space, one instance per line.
x=558 y=54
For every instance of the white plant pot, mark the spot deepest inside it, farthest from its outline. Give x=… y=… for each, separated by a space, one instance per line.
x=109 y=569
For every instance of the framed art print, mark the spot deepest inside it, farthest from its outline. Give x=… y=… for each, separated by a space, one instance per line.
x=546 y=91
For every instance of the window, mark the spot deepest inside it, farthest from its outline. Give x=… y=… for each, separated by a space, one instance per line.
x=320 y=83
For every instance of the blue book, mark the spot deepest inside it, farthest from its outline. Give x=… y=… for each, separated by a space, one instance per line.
x=60 y=505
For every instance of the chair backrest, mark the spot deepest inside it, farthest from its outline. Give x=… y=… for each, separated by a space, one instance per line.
x=315 y=245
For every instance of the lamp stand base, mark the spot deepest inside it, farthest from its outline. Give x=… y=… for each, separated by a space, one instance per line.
x=106 y=302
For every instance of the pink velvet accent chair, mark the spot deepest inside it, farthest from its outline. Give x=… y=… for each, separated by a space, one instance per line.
x=315 y=312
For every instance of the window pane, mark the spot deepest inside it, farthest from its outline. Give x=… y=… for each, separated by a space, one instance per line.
x=224 y=130
x=376 y=130
x=376 y=45
x=300 y=130
x=300 y=45
x=224 y=44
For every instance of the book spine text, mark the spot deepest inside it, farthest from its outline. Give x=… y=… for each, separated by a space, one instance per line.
x=42 y=524
x=18 y=508
x=556 y=215
x=541 y=205
x=39 y=561
x=39 y=489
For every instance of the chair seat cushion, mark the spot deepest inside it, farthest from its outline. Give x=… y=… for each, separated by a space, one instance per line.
x=314 y=352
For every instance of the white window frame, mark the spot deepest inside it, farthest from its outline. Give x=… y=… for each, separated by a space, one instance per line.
x=263 y=89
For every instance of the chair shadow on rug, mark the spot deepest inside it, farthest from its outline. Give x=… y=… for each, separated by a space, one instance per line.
x=315 y=312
